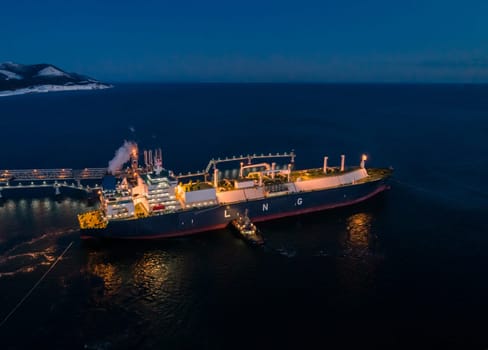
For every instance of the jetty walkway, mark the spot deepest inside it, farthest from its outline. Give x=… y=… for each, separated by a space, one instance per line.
x=87 y=179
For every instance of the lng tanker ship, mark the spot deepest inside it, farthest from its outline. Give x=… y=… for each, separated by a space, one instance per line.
x=153 y=202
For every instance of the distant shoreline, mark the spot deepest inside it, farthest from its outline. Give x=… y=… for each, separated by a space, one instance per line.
x=54 y=88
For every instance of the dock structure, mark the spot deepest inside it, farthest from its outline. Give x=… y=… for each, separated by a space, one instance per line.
x=51 y=174
x=85 y=180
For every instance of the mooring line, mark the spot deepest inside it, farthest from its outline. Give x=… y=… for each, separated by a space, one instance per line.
x=35 y=285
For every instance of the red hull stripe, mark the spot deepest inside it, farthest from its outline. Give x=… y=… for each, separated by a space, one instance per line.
x=256 y=219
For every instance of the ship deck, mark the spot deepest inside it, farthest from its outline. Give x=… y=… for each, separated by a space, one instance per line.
x=315 y=173
x=375 y=174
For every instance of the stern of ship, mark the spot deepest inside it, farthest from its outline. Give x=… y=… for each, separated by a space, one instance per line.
x=91 y=222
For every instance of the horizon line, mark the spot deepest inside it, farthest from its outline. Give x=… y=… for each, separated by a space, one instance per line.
x=293 y=82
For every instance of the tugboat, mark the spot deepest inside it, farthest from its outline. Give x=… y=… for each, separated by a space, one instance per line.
x=247 y=230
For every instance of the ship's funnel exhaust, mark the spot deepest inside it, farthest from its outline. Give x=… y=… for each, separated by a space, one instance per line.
x=122 y=155
x=343 y=160
x=134 y=157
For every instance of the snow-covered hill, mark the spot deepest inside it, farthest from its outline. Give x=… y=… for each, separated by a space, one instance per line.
x=16 y=79
x=50 y=71
x=9 y=75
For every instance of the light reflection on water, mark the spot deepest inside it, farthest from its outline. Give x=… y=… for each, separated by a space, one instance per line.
x=112 y=280
x=29 y=256
x=146 y=288
x=148 y=274
x=47 y=203
x=30 y=230
x=358 y=233
x=357 y=269
x=138 y=274
x=35 y=203
x=22 y=204
x=151 y=271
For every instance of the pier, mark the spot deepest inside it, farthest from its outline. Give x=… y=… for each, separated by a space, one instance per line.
x=84 y=181
x=52 y=174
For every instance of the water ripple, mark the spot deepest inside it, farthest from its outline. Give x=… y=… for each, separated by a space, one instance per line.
x=28 y=256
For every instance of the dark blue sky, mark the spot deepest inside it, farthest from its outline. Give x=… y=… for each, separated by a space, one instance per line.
x=330 y=41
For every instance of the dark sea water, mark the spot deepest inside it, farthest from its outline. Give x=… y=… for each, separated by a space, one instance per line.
x=407 y=269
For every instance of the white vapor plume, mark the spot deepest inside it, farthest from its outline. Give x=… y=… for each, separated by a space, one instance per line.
x=122 y=155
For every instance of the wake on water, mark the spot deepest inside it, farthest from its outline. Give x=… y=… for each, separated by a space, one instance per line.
x=28 y=256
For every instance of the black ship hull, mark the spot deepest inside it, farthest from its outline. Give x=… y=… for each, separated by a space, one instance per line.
x=193 y=221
